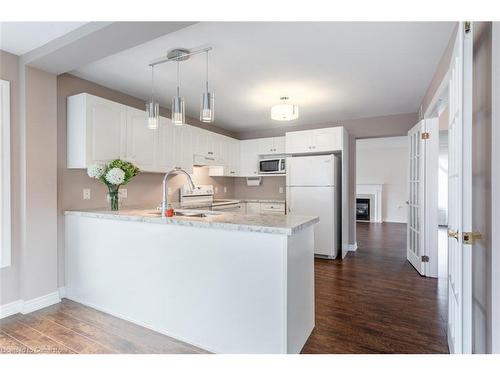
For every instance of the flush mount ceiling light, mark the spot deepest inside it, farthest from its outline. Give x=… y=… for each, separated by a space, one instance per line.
x=152 y=107
x=284 y=111
x=178 y=107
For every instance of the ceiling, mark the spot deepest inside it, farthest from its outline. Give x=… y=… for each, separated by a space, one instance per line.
x=332 y=70
x=19 y=38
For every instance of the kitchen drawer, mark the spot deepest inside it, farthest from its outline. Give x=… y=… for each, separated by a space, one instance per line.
x=272 y=208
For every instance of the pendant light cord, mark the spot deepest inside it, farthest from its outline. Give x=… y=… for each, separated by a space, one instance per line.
x=178 y=79
x=207 y=70
x=152 y=84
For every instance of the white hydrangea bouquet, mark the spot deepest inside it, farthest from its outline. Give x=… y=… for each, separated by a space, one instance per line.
x=114 y=174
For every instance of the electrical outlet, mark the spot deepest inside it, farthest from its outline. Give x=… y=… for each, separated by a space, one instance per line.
x=225 y=189
x=169 y=191
x=281 y=189
x=216 y=189
x=123 y=193
x=86 y=194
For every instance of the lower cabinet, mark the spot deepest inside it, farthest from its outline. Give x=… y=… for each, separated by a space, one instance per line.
x=261 y=208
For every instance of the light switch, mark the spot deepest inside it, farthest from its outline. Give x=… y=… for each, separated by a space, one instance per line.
x=169 y=191
x=281 y=189
x=225 y=189
x=86 y=194
x=216 y=189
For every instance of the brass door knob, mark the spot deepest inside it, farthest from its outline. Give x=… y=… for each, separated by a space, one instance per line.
x=453 y=233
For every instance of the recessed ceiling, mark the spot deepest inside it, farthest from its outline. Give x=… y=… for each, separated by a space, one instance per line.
x=19 y=38
x=332 y=70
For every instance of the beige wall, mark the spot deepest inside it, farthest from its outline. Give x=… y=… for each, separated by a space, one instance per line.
x=39 y=259
x=269 y=189
x=440 y=73
x=9 y=277
x=34 y=184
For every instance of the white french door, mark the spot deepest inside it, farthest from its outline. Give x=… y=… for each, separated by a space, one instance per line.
x=416 y=185
x=422 y=227
x=459 y=193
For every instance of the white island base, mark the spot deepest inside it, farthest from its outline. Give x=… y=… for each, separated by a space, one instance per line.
x=225 y=291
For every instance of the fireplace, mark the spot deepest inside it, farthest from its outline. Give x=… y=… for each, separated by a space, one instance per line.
x=363 y=209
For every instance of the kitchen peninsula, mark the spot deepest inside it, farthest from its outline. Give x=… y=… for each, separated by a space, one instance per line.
x=225 y=282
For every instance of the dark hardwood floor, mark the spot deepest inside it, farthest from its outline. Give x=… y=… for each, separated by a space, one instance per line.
x=371 y=302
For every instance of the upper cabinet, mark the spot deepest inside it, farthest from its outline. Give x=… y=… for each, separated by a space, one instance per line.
x=249 y=157
x=96 y=130
x=314 y=141
x=272 y=145
x=141 y=142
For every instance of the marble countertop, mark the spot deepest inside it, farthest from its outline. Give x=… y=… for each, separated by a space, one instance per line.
x=275 y=224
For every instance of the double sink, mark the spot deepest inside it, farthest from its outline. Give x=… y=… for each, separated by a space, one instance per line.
x=190 y=213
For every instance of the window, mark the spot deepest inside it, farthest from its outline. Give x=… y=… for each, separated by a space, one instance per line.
x=5 y=232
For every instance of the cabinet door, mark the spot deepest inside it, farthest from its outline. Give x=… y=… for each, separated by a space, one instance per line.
x=183 y=147
x=266 y=146
x=166 y=141
x=249 y=165
x=200 y=141
x=253 y=208
x=279 y=145
x=107 y=127
x=234 y=164
x=298 y=142
x=328 y=139
x=141 y=141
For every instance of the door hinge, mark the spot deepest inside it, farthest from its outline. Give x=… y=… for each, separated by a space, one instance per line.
x=425 y=135
x=468 y=238
x=467 y=27
x=425 y=258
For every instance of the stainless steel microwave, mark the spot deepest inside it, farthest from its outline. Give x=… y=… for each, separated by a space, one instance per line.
x=276 y=165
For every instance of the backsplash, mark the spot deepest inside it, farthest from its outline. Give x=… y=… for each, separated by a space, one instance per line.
x=269 y=188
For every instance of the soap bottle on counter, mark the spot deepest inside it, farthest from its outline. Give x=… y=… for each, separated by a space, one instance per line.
x=170 y=211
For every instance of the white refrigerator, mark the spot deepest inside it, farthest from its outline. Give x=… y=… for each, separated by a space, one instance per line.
x=313 y=188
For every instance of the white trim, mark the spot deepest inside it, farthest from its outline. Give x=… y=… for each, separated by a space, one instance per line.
x=5 y=208
x=351 y=247
x=26 y=307
x=495 y=187
x=62 y=292
x=10 y=308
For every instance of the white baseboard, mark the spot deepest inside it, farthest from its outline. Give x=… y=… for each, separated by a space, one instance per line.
x=62 y=292
x=351 y=247
x=25 y=307
x=10 y=308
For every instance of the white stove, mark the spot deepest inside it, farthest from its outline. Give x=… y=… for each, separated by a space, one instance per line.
x=203 y=197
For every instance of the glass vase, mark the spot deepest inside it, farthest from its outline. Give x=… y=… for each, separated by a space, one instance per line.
x=113 y=197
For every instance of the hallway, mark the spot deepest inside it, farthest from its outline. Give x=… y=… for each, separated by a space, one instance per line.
x=375 y=302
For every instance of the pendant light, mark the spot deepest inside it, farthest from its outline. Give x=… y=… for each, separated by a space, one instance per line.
x=207 y=100
x=152 y=107
x=178 y=110
x=284 y=111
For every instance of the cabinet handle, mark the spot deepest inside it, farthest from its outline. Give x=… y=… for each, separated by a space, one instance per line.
x=210 y=153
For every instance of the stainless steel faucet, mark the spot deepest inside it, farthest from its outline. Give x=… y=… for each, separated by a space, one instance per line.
x=173 y=172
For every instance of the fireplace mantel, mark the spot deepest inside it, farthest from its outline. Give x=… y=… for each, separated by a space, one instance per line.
x=374 y=193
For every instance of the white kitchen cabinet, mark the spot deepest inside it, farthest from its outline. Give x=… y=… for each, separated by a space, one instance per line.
x=96 y=130
x=249 y=157
x=272 y=208
x=272 y=145
x=175 y=147
x=141 y=145
x=314 y=141
x=231 y=157
x=253 y=208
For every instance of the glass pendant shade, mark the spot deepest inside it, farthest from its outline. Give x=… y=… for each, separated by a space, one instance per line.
x=153 y=115
x=178 y=111
x=207 y=107
x=284 y=111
